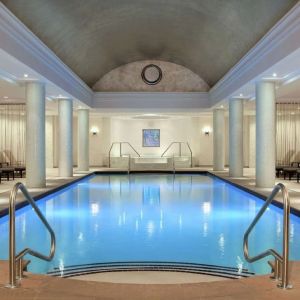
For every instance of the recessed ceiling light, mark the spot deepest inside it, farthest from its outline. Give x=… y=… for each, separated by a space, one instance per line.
x=222 y=106
x=59 y=95
x=274 y=74
x=79 y=107
x=241 y=95
x=5 y=97
x=25 y=75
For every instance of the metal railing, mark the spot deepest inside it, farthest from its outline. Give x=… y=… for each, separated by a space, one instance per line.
x=120 y=150
x=281 y=266
x=16 y=260
x=180 y=150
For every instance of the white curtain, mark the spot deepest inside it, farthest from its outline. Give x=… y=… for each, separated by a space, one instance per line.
x=12 y=134
x=288 y=133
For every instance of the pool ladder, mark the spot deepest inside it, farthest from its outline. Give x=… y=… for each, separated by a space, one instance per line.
x=16 y=260
x=280 y=266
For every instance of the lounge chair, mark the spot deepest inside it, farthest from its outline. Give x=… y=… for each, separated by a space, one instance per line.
x=8 y=172
x=291 y=171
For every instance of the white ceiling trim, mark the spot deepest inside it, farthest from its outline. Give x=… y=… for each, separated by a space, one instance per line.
x=17 y=40
x=279 y=42
x=156 y=102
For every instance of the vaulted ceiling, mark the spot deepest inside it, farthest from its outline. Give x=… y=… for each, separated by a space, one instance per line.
x=93 y=37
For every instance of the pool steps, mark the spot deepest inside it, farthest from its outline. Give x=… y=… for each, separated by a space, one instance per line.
x=212 y=270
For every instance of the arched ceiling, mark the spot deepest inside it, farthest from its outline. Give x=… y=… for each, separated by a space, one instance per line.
x=93 y=37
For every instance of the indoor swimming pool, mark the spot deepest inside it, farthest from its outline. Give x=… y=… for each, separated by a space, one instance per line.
x=157 y=218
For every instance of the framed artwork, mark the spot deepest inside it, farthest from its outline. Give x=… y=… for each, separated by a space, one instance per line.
x=151 y=137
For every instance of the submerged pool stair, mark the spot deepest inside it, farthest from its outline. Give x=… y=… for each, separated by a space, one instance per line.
x=212 y=270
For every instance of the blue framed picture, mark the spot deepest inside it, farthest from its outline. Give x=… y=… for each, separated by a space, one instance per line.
x=151 y=137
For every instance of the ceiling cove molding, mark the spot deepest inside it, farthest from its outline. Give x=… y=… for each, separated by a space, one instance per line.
x=157 y=101
x=18 y=41
x=279 y=42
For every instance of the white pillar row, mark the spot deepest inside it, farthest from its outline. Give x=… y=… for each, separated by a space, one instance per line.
x=236 y=120
x=265 y=134
x=83 y=139
x=219 y=139
x=65 y=120
x=35 y=135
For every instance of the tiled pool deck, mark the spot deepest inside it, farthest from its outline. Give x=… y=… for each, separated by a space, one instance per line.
x=39 y=287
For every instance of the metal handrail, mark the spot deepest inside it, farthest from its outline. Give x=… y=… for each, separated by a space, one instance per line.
x=180 y=143
x=120 y=143
x=281 y=272
x=15 y=260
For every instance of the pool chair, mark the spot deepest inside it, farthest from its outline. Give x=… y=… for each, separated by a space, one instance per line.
x=8 y=173
x=20 y=170
x=291 y=171
x=279 y=169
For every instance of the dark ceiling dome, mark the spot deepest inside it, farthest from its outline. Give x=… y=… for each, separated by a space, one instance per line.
x=95 y=36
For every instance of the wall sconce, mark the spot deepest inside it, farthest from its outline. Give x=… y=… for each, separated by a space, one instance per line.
x=94 y=130
x=206 y=130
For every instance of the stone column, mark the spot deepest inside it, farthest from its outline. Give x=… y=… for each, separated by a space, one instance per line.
x=35 y=135
x=236 y=120
x=265 y=134
x=219 y=133
x=83 y=139
x=65 y=120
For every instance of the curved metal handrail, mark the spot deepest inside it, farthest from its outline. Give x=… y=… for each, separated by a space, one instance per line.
x=131 y=148
x=120 y=143
x=179 y=143
x=16 y=259
x=168 y=148
x=284 y=258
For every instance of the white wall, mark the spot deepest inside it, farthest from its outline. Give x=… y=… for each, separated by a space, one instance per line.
x=115 y=129
x=179 y=129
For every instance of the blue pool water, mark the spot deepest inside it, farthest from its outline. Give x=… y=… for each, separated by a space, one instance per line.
x=150 y=217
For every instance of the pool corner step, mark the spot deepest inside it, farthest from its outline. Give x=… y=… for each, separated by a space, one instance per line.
x=212 y=270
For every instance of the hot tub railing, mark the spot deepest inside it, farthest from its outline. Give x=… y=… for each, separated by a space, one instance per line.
x=281 y=265
x=16 y=260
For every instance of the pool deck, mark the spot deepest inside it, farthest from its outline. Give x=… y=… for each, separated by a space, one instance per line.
x=55 y=182
x=42 y=287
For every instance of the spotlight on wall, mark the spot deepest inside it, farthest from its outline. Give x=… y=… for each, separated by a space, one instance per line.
x=206 y=130
x=94 y=130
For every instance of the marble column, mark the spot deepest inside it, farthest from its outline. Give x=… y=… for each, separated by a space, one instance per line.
x=265 y=134
x=83 y=139
x=219 y=139
x=236 y=120
x=35 y=135
x=65 y=120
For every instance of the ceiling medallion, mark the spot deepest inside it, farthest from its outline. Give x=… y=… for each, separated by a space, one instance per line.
x=151 y=74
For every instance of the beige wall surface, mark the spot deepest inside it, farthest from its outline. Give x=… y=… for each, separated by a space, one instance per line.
x=125 y=129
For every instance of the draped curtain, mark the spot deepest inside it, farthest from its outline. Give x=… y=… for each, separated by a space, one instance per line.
x=12 y=134
x=287 y=133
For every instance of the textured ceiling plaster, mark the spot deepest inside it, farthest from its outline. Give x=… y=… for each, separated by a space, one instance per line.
x=95 y=36
x=127 y=78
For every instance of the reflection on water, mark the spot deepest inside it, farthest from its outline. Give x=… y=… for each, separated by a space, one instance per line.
x=150 y=217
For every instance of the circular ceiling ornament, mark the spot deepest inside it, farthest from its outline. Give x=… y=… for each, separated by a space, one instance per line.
x=151 y=74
